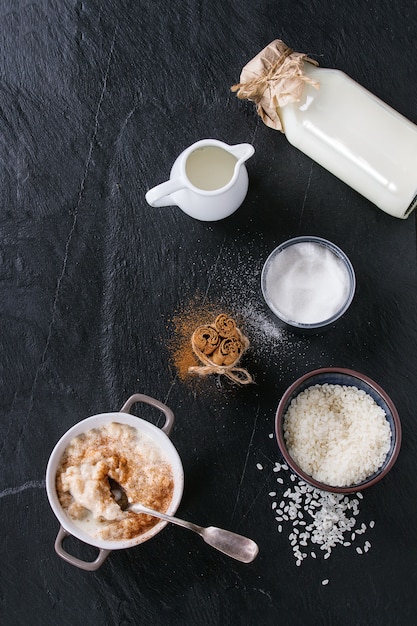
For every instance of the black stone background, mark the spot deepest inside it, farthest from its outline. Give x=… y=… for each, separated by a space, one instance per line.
x=96 y=101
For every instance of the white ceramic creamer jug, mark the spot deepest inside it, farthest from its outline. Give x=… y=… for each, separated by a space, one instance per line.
x=208 y=181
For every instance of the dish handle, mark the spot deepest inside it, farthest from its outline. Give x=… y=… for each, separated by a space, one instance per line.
x=90 y=566
x=140 y=397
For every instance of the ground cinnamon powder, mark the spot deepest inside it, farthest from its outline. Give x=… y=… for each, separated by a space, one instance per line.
x=191 y=316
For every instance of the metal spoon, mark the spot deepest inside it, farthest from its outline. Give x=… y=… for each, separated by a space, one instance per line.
x=238 y=547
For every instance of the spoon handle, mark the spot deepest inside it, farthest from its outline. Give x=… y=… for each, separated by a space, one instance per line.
x=233 y=545
x=139 y=508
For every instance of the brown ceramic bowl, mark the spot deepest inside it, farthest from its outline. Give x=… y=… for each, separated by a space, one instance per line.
x=341 y=376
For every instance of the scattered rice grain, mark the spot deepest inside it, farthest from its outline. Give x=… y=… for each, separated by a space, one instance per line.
x=318 y=519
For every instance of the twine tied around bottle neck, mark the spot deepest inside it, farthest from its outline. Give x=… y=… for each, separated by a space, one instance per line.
x=219 y=346
x=272 y=79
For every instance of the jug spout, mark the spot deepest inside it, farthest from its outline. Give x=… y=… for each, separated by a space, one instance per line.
x=242 y=151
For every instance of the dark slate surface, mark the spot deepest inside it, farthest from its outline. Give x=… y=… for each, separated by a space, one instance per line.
x=97 y=99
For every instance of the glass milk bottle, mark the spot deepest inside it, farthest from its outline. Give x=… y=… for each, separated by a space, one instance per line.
x=342 y=126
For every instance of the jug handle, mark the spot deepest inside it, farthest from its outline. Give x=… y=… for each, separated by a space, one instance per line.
x=160 y=195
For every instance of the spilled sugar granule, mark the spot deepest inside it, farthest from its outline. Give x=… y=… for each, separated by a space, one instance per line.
x=270 y=345
x=316 y=521
x=267 y=338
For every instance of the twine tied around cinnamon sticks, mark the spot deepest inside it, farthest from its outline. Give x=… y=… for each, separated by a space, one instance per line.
x=219 y=347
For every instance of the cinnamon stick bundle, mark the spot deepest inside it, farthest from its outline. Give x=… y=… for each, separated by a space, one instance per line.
x=219 y=347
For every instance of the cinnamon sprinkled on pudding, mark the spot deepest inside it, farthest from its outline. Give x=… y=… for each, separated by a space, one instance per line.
x=125 y=455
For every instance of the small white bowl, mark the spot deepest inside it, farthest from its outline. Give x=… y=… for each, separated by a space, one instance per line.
x=160 y=437
x=279 y=308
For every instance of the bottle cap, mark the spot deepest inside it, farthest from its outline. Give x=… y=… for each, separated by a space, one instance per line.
x=272 y=79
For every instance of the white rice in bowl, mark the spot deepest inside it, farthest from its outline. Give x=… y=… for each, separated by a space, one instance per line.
x=337 y=434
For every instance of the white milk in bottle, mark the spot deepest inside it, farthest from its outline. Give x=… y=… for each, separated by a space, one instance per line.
x=338 y=123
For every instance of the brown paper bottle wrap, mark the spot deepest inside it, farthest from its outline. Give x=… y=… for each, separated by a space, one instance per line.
x=272 y=79
x=223 y=357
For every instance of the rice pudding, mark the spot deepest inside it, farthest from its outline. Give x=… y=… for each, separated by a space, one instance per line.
x=126 y=455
